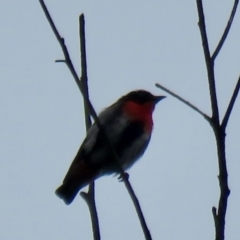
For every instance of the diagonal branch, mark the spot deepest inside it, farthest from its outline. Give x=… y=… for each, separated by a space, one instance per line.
x=98 y=123
x=61 y=42
x=89 y=197
x=185 y=102
x=226 y=31
x=230 y=106
x=209 y=62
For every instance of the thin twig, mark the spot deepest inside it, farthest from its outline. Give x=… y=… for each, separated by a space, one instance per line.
x=226 y=31
x=61 y=42
x=89 y=197
x=137 y=206
x=98 y=123
x=209 y=62
x=184 y=101
x=230 y=106
x=214 y=212
x=84 y=77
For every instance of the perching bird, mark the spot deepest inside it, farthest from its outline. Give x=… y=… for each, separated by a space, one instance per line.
x=128 y=124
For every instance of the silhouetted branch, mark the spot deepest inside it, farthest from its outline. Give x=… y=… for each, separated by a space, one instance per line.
x=230 y=106
x=209 y=62
x=89 y=197
x=184 y=101
x=98 y=123
x=226 y=31
x=223 y=183
x=61 y=42
x=220 y=213
x=84 y=78
x=214 y=212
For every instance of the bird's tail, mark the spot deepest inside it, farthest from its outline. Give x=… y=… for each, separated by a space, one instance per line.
x=79 y=175
x=67 y=192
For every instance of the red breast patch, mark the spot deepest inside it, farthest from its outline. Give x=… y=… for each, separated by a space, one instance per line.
x=141 y=112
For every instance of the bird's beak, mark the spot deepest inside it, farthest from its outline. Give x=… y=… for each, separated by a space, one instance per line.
x=156 y=99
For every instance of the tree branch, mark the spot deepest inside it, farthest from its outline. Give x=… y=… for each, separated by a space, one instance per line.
x=61 y=42
x=89 y=197
x=98 y=123
x=84 y=77
x=185 y=102
x=230 y=106
x=226 y=31
x=220 y=214
x=209 y=62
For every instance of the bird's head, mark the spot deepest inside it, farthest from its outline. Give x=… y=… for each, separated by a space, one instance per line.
x=141 y=97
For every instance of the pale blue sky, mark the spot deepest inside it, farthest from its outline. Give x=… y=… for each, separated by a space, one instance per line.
x=130 y=45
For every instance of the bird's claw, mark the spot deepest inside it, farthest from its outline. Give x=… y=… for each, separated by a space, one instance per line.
x=126 y=176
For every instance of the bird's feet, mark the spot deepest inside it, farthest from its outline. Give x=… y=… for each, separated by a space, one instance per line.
x=126 y=176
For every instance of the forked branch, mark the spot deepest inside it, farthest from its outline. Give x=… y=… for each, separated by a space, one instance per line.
x=219 y=213
x=68 y=62
x=208 y=61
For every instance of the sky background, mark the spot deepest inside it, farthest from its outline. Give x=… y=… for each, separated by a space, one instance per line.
x=130 y=45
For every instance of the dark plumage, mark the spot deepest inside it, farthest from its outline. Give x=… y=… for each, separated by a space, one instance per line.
x=128 y=124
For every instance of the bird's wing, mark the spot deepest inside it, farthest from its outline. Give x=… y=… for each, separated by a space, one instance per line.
x=129 y=142
x=94 y=139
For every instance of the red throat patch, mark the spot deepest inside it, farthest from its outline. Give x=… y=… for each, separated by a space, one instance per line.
x=141 y=112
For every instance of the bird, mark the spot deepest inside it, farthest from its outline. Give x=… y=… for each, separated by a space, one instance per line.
x=128 y=125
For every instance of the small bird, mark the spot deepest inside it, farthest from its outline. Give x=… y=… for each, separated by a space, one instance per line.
x=128 y=124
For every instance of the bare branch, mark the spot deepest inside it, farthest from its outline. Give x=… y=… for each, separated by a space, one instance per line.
x=98 y=123
x=209 y=62
x=89 y=197
x=60 y=61
x=223 y=183
x=226 y=31
x=185 y=102
x=220 y=214
x=230 y=106
x=84 y=77
x=61 y=42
